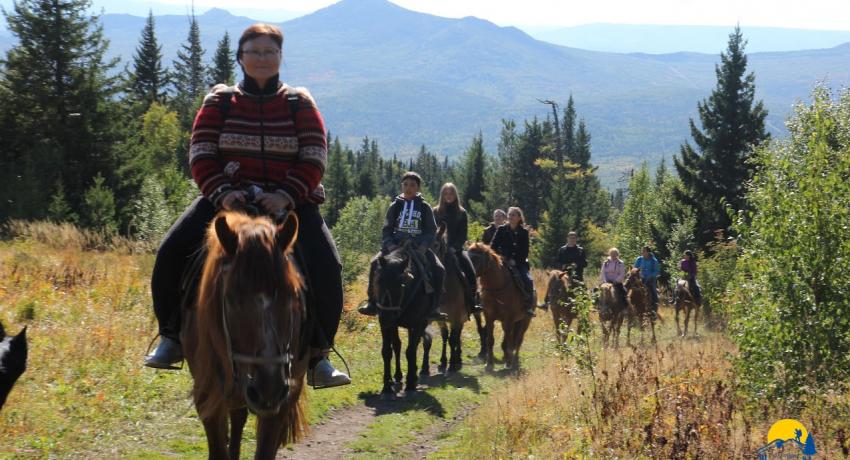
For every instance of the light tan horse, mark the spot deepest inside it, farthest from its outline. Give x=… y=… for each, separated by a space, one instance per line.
x=611 y=313
x=502 y=301
x=685 y=300
x=639 y=309
x=560 y=300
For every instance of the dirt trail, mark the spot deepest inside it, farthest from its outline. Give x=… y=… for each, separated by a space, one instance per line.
x=328 y=439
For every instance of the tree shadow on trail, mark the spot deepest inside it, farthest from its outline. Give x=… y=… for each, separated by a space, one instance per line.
x=402 y=402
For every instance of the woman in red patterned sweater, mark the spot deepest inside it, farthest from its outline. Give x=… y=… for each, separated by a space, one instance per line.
x=246 y=141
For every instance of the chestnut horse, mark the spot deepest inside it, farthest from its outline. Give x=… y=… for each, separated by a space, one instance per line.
x=243 y=337
x=611 y=313
x=560 y=300
x=685 y=300
x=639 y=309
x=502 y=301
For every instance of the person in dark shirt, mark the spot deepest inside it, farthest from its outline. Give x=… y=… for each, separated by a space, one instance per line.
x=511 y=241
x=499 y=219
x=409 y=219
x=573 y=254
x=449 y=212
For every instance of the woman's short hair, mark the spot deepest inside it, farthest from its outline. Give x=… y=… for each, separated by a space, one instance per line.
x=614 y=251
x=259 y=30
x=500 y=212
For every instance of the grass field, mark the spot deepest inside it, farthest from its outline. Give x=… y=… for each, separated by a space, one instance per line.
x=86 y=395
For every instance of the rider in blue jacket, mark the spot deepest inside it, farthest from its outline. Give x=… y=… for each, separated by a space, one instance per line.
x=649 y=271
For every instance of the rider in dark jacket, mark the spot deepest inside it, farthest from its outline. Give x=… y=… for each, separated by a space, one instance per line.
x=449 y=212
x=409 y=219
x=573 y=254
x=512 y=243
x=499 y=218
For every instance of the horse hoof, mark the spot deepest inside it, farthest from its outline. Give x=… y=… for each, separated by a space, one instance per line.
x=410 y=392
x=425 y=373
x=441 y=368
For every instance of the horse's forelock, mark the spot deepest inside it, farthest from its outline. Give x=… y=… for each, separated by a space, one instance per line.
x=486 y=251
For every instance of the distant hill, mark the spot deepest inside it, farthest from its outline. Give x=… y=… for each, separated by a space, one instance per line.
x=409 y=78
x=641 y=38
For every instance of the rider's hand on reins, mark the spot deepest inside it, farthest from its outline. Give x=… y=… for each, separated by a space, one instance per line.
x=275 y=204
x=233 y=200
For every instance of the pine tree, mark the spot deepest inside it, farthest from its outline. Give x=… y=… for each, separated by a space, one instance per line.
x=337 y=182
x=716 y=172
x=188 y=79
x=64 y=112
x=149 y=78
x=474 y=170
x=366 y=167
x=223 y=63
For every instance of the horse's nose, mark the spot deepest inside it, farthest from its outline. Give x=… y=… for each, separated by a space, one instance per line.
x=265 y=398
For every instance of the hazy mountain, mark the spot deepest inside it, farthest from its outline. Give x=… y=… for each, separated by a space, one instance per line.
x=641 y=38
x=408 y=78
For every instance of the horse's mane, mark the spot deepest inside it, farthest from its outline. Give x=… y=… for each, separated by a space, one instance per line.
x=258 y=273
x=487 y=250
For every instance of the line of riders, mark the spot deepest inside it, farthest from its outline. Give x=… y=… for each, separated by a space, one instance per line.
x=262 y=144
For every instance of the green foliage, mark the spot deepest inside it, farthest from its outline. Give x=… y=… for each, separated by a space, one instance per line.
x=188 y=76
x=633 y=225
x=59 y=210
x=789 y=312
x=223 y=63
x=149 y=78
x=99 y=206
x=714 y=175
x=717 y=270
x=358 y=234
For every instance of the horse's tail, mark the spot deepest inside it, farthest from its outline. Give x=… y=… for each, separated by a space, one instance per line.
x=295 y=427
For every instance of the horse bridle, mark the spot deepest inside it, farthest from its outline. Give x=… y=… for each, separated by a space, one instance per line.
x=487 y=263
x=284 y=358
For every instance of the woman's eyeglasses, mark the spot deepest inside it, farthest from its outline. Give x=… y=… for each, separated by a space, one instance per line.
x=261 y=54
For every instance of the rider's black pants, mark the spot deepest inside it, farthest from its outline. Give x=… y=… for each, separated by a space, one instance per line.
x=186 y=236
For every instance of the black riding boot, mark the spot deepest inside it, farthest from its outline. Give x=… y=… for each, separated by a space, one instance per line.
x=371 y=307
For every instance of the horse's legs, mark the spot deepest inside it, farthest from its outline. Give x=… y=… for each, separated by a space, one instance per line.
x=507 y=343
x=425 y=370
x=413 y=336
x=696 y=317
x=489 y=342
x=388 y=333
x=395 y=342
x=482 y=334
x=237 y=424
x=269 y=430
x=444 y=333
x=216 y=429
x=518 y=335
x=454 y=343
x=678 y=329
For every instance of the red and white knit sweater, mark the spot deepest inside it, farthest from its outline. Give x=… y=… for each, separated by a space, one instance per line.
x=259 y=143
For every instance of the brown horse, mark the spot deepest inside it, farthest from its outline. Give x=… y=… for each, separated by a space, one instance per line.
x=243 y=337
x=560 y=300
x=452 y=303
x=502 y=301
x=685 y=299
x=639 y=308
x=611 y=312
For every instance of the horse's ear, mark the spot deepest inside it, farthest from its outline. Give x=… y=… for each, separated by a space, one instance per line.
x=226 y=236
x=287 y=232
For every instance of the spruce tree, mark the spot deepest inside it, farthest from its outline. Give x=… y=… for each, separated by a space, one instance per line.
x=223 y=63
x=64 y=111
x=189 y=74
x=474 y=170
x=338 y=183
x=715 y=173
x=149 y=78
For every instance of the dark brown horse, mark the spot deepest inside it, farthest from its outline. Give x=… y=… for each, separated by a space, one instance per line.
x=243 y=338
x=560 y=300
x=404 y=302
x=685 y=300
x=452 y=303
x=502 y=301
x=639 y=311
x=13 y=360
x=611 y=313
